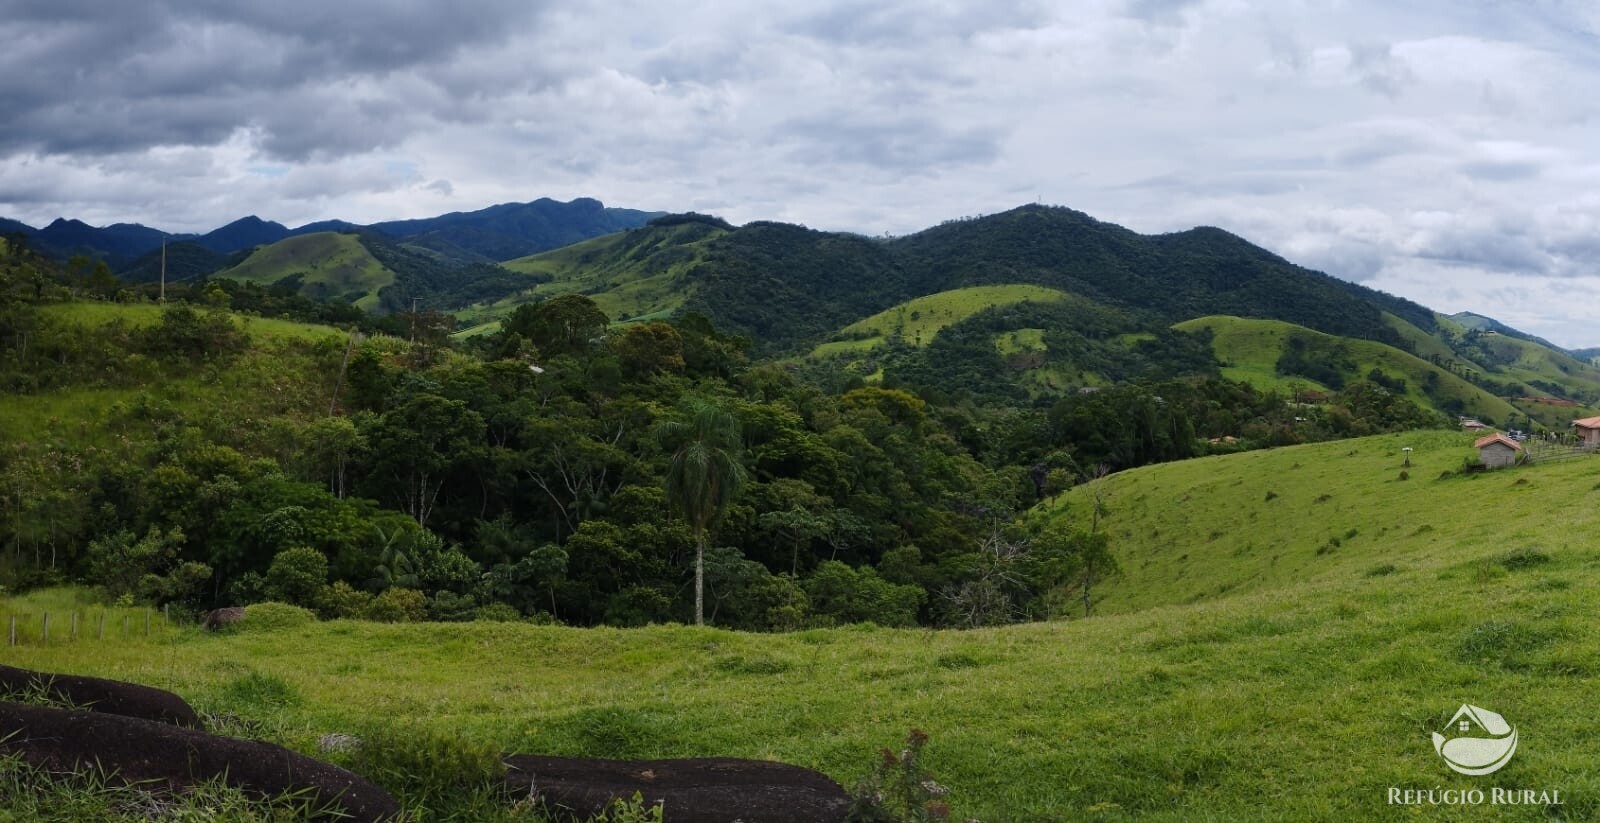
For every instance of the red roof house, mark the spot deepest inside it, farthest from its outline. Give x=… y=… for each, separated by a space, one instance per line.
x=1588 y=430
x=1497 y=450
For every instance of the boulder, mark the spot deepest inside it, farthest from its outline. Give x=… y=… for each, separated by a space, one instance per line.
x=218 y=618
x=162 y=757
x=697 y=790
x=99 y=695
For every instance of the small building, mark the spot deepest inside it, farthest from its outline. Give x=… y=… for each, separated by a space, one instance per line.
x=1497 y=450
x=1588 y=431
x=1471 y=425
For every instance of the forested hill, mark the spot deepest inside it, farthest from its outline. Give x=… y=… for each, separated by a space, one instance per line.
x=495 y=233
x=787 y=286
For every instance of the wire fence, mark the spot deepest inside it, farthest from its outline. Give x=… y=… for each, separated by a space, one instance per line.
x=1547 y=451
x=46 y=628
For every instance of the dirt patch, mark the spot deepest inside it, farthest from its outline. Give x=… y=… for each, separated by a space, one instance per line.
x=701 y=790
x=99 y=695
x=163 y=757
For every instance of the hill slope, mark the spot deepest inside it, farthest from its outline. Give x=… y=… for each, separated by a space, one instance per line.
x=332 y=266
x=1217 y=527
x=1246 y=704
x=1253 y=351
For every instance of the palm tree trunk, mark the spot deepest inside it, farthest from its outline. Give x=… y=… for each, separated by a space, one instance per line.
x=700 y=577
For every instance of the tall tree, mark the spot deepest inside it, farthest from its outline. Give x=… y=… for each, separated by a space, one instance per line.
x=704 y=477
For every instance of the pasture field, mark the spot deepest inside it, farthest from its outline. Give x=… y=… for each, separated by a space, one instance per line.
x=1288 y=629
x=335 y=266
x=1249 y=351
x=917 y=321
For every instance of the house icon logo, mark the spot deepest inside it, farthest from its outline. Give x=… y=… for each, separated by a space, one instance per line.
x=1476 y=742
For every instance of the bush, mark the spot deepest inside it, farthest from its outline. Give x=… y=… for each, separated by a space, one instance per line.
x=851 y=595
x=449 y=607
x=341 y=600
x=424 y=767
x=899 y=789
x=497 y=613
x=271 y=616
x=398 y=605
x=297 y=576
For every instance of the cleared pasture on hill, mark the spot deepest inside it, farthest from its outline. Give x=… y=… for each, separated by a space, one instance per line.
x=1302 y=703
x=289 y=369
x=334 y=265
x=1215 y=527
x=1249 y=350
x=631 y=275
x=917 y=321
x=146 y=314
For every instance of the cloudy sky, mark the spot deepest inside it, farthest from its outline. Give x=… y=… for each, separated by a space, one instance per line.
x=1448 y=151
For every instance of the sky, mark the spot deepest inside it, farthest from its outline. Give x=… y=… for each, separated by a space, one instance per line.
x=1444 y=150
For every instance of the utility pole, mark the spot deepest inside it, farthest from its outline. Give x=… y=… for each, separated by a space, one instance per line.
x=414 y=318
x=163 y=270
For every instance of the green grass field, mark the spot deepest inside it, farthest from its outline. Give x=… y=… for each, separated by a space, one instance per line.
x=1242 y=667
x=917 y=321
x=642 y=278
x=271 y=377
x=334 y=265
x=91 y=315
x=1249 y=350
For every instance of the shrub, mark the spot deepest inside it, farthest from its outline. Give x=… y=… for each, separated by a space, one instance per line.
x=271 y=616
x=398 y=605
x=899 y=790
x=297 y=575
x=341 y=600
x=497 y=613
x=425 y=767
x=449 y=607
x=852 y=595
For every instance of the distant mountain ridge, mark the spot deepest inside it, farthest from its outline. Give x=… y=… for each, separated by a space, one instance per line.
x=495 y=233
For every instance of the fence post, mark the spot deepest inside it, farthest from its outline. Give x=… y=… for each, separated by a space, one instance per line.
x=73 y=635
x=125 y=627
x=13 y=633
x=146 y=621
x=46 y=629
x=102 y=624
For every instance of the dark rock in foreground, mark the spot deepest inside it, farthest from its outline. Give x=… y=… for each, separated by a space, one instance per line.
x=99 y=695
x=701 y=790
x=165 y=757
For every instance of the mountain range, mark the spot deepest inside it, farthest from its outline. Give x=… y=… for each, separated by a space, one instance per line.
x=494 y=233
x=1033 y=302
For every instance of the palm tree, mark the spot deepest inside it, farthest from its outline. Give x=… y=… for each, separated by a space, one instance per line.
x=704 y=477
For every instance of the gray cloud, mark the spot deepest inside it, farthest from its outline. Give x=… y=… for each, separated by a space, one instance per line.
x=1445 y=155
x=308 y=76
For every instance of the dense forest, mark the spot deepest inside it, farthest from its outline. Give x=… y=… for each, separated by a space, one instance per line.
x=570 y=469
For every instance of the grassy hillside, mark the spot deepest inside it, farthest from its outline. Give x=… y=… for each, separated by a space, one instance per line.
x=281 y=372
x=1236 y=672
x=917 y=321
x=1249 y=351
x=631 y=275
x=333 y=265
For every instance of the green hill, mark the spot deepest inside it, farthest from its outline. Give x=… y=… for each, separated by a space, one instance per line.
x=631 y=275
x=330 y=266
x=1260 y=657
x=101 y=389
x=918 y=321
x=1252 y=351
